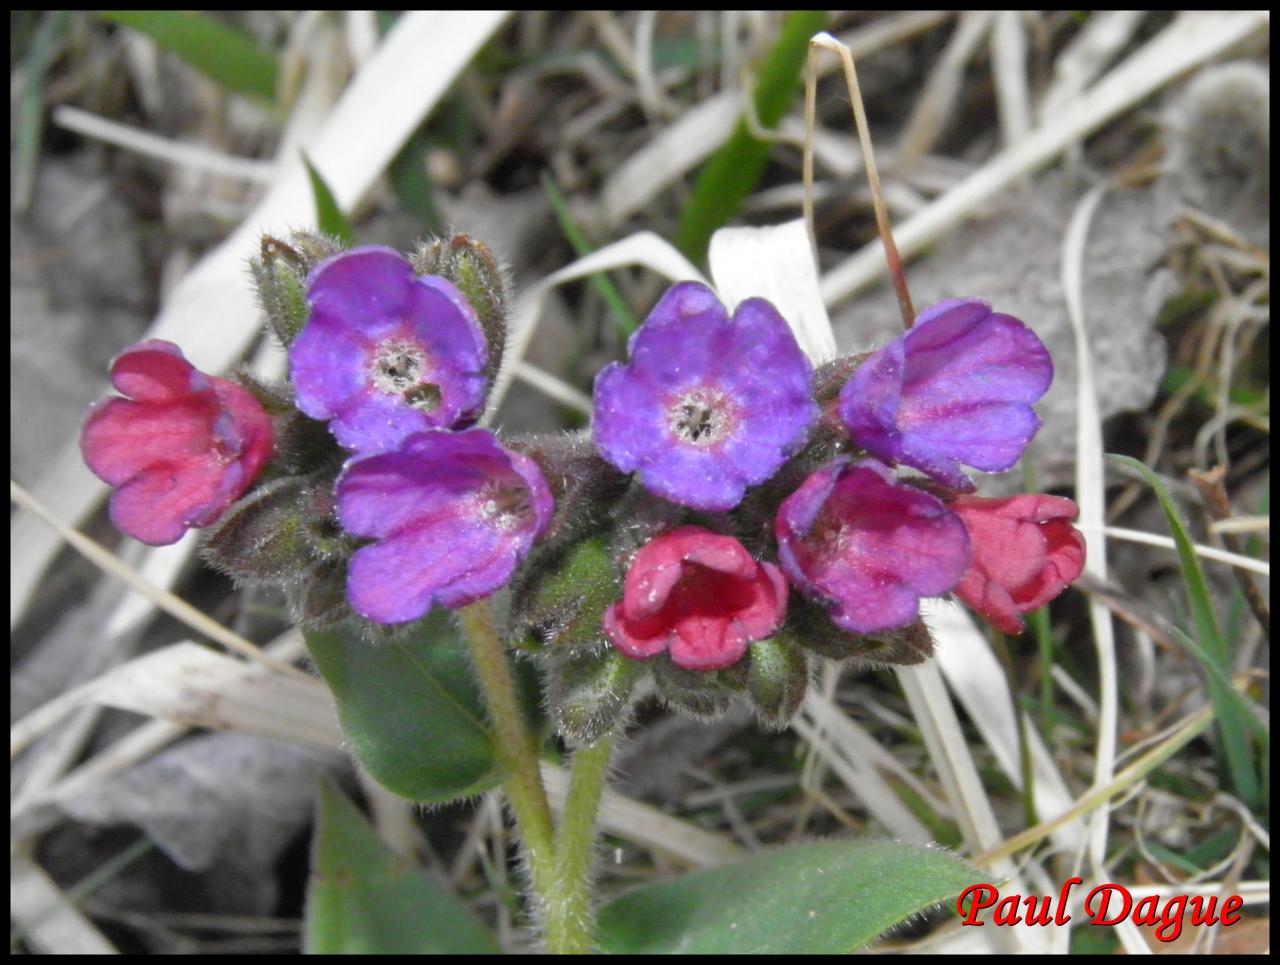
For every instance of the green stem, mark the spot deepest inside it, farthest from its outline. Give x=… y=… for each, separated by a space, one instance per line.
x=575 y=846
x=517 y=751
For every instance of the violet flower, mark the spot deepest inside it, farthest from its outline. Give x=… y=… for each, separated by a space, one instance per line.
x=868 y=545
x=955 y=388
x=699 y=595
x=453 y=512
x=706 y=406
x=386 y=354
x=180 y=450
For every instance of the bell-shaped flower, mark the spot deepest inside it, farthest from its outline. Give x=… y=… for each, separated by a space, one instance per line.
x=698 y=595
x=385 y=354
x=454 y=513
x=957 y=387
x=868 y=545
x=1025 y=552
x=180 y=449
x=706 y=406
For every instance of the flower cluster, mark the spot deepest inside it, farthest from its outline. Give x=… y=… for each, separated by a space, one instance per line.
x=731 y=510
x=707 y=407
x=397 y=363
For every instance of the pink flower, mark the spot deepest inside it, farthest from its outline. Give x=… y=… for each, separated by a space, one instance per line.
x=699 y=595
x=179 y=450
x=1025 y=552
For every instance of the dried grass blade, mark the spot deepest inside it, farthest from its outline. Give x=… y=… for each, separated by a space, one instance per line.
x=1190 y=40
x=775 y=263
x=192 y=685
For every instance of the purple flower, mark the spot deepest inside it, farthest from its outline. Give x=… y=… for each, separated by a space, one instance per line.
x=955 y=388
x=707 y=406
x=385 y=354
x=868 y=545
x=454 y=513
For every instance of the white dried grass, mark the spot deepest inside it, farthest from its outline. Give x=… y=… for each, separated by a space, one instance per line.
x=974 y=674
x=822 y=725
x=646 y=825
x=50 y=923
x=775 y=263
x=1009 y=69
x=1091 y=497
x=1088 y=54
x=212 y=312
x=1262 y=567
x=196 y=157
x=1192 y=39
x=932 y=109
x=174 y=606
x=194 y=686
x=136 y=746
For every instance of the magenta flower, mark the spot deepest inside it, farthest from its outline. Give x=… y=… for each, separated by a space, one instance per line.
x=869 y=546
x=386 y=354
x=955 y=388
x=1025 y=552
x=453 y=513
x=181 y=449
x=707 y=406
x=699 y=595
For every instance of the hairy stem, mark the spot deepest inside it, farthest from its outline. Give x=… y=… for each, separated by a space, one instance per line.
x=575 y=844
x=517 y=751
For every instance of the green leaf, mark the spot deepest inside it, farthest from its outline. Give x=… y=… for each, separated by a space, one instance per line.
x=411 y=710
x=329 y=216
x=1212 y=651
x=364 y=899
x=226 y=55
x=823 y=897
x=733 y=171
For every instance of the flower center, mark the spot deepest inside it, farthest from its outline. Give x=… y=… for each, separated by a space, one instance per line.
x=398 y=368
x=504 y=506
x=701 y=417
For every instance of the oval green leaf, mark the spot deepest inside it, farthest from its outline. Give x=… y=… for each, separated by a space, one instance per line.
x=364 y=899
x=411 y=710
x=822 y=897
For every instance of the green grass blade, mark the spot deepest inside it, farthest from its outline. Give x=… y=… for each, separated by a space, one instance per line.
x=226 y=55
x=31 y=108
x=1249 y=718
x=1212 y=648
x=732 y=173
x=621 y=313
x=329 y=216
x=412 y=183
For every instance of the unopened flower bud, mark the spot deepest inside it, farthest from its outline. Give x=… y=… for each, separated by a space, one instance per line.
x=562 y=594
x=280 y=275
x=589 y=691
x=777 y=679
x=471 y=266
